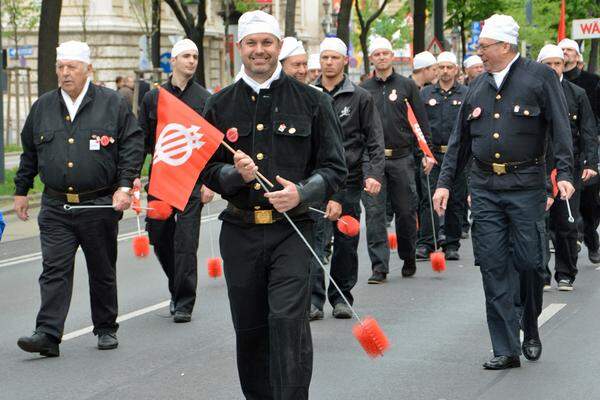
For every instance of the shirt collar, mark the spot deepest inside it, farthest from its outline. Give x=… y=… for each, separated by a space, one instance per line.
x=499 y=76
x=73 y=106
x=256 y=87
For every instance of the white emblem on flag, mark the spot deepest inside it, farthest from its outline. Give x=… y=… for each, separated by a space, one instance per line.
x=176 y=144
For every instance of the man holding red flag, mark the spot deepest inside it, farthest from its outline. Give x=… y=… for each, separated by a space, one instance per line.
x=175 y=240
x=289 y=131
x=393 y=94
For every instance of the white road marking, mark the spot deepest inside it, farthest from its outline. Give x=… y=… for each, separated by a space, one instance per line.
x=125 y=317
x=598 y=269
x=546 y=314
x=38 y=255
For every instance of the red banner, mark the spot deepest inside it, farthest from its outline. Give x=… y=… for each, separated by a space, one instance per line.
x=184 y=143
x=562 y=29
x=416 y=128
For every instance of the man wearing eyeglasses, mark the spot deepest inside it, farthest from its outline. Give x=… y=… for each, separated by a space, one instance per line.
x=508 y=118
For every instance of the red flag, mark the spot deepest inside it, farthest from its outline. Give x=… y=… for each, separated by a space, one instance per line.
x=562 y=29
x=554 y=184
x=416 y=128
x=184 y=143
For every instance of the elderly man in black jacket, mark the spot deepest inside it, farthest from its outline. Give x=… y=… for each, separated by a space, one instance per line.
x=504 y=124
x=87 y=147
x=364 y=150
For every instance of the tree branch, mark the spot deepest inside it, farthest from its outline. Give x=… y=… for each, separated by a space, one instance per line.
x=376 y=14
x=179 y=15
x=361 y=20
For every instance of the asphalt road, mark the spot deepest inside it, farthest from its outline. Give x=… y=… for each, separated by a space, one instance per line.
x=435 y=323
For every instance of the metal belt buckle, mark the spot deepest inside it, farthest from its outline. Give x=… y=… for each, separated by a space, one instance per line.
x=443 y=149
x=72 y=198
x=389 y=152
x=499 y=169
x=263 y=217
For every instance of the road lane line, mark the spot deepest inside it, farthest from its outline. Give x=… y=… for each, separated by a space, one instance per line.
x=546 y=314
x=125 y=317
x=125 y=236
x=598 y=269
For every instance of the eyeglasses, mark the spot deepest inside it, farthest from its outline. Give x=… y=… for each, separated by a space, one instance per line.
x=484 y=47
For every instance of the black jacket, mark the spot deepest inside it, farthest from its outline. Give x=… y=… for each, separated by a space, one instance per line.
x=442 y=109
x=590 y=83
x=60 y=150
x=389 y=96
x=361 y=131
x=511 y=124
x=289 y=130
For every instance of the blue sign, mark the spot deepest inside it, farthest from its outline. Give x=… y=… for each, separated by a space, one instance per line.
x=165 y=62
x=23 y=51
x=472 y=46
x=476 y=27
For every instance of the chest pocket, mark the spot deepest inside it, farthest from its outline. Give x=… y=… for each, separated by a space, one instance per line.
x=292 y=140
x=44 y=142
x=477 y=125
x=526 y=119
x=243 y=140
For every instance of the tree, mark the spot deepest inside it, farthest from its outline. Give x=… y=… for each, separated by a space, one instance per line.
x=83 y=15
x=19 y=15
x=419 y=19
x=393 y=27
x=290 y=18
x=365 y=21
x=462 y=12
x=343 y=21
x=143 y=12
x=47 y=43
x=193 y=27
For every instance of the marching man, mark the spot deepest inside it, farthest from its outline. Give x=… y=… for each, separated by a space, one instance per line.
x=287 y=131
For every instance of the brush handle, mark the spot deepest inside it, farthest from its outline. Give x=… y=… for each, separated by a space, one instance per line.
x=261 y=176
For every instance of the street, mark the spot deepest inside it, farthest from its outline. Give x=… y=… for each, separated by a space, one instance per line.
x=435 y=323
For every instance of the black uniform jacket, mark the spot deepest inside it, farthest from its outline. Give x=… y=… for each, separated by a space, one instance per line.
x=62 y=152
x=510 y=124
x=442 y=109
x=590 y=83
x=361 y=131
x=389 y=96
x=289 y=130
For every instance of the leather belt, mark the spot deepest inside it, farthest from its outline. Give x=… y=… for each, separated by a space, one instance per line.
x=506 y=168
x=262 y=217
x=75 y=198
x=439 y=149
x=394 y=153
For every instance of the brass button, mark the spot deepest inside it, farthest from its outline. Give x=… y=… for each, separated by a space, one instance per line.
x=257 y=186
x=253 y=98
x=71 y=188
x=574 y=117
x=260 y=127
x=497 y=155
x=71 y=140
x=496 y=135
x=498 y=96
x=526 y=112
x=260 y=156
x=42 y=137
x=496 y=115
x=70 y=164
x=292 y=131
x=68 y=117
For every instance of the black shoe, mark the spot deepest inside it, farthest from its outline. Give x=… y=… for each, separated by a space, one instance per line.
x=107 y=341
x=452 y=254
x=503 y=362
x=172 y=307
x=342 y=311
x=41 y=343
x=422 y=254
x=377 y=278
x=409 y=268
x=594 y=256
x=315 y=314
x=532 y=349
x=182 y=316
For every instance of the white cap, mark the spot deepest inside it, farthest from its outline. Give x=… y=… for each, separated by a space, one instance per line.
x=423 y=60
x=446 y=56
x=569 y=44
x=73 y=51
x=550 y=51
x=182 y=46
x=500 y=27
x=252 y=22
x=380 y=43
x=333 y=44
x=472 y=61
x=314 y=61
x=291 y=47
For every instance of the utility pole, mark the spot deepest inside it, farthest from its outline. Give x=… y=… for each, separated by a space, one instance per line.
x=438 y=21
x=155 y=33
x=1 y=110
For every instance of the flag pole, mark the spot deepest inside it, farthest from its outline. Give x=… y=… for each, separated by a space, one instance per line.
x=261 y=176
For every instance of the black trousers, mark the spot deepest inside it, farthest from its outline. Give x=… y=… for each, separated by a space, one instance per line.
x=344 y=261
x=61 y=234
x=590 y=214
x=564 y=234
x=323 y=230
x=267 y=270
x=175 y=243
x=453 y=218
x=510 y=244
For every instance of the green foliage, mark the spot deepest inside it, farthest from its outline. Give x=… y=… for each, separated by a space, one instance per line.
x=462 y=12
x=246 y=5
x=8 y=187
x=393 y=27
x=19 y=15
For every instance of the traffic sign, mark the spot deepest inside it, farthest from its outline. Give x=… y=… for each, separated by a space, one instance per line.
x=435 y=47
x=165 y=62
x=23 y=51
